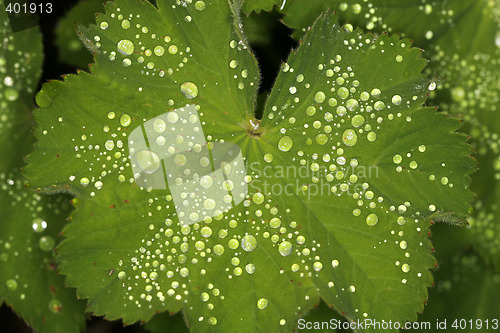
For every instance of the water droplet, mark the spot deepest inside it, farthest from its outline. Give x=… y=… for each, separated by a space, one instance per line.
x=319 y=97
x=46 y=243
x=372 y=220
x=349 y=137
x=189 y=89
x=125 y=120
x=396 y=99
x=371 y=136
x=122 y=275
x=403 y=245
x=11 y=284
x=258 y=198
x=335 y=263
x=218 y=249
x=125 y=24
x=343 y=92
x=147 y=161
x=262 y=303
x=11 y=94
x=268 y=157
x=39 y=225
x=285 y=248
x=125 y=47
x=405 y=268
x=357 y=120
x=285 y=143
x=250 y=268
x=249 y=243
x=200 y=5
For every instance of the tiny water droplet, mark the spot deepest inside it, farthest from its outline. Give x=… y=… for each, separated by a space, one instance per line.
x=285 y=248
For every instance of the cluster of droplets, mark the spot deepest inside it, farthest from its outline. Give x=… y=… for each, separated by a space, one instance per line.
x=341 y=117
x=37 y=239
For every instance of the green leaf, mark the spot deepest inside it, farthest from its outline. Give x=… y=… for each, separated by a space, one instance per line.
x=462 y=41
x=29 y=223
x=69 y=46
x=360 y=243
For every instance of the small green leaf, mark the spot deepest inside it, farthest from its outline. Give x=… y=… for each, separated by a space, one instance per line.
x=29 y=223
x=344 y=172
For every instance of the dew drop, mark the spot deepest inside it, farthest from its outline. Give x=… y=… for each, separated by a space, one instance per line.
x=249 y=243
x=200 y=5
x=11 y=284
x=125 y=47
x=405 y=268
x=349 y=137
x=189 y=89
x=268 y=157
x=46 y=243
x=372 y=220
x=55 y=306
x=125 y=120
x=285 y=143
x=357 y=120
x=147 y=161
x=319 y=97
x=39 y=225
x=262 y=303
x=285 y=248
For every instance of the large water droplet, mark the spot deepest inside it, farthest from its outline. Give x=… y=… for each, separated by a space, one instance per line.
x=285 y=248
x=349 y=137
x=11 y=284
x=46 y=243
x=147 y=161
x=262 y=303
x=249 y=243
x=372 y=220
x=189 y=89
x=55 y=306
x=39 y=225
x=285 y=143
x=125 y=47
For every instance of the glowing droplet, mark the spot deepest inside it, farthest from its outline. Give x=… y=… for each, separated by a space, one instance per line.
x=349 y=137
x=285 y=248
x=249 y=243
x=262 y=303
x=319 y=97
x=189 y=89
x=148 y=161
x=11 y=284
x=55 y=306
x=125 y=47
x=285 y=143
x=125 y=120
x=372 y=220
x=39 y=225
x=46 y=243
x=405 y=268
